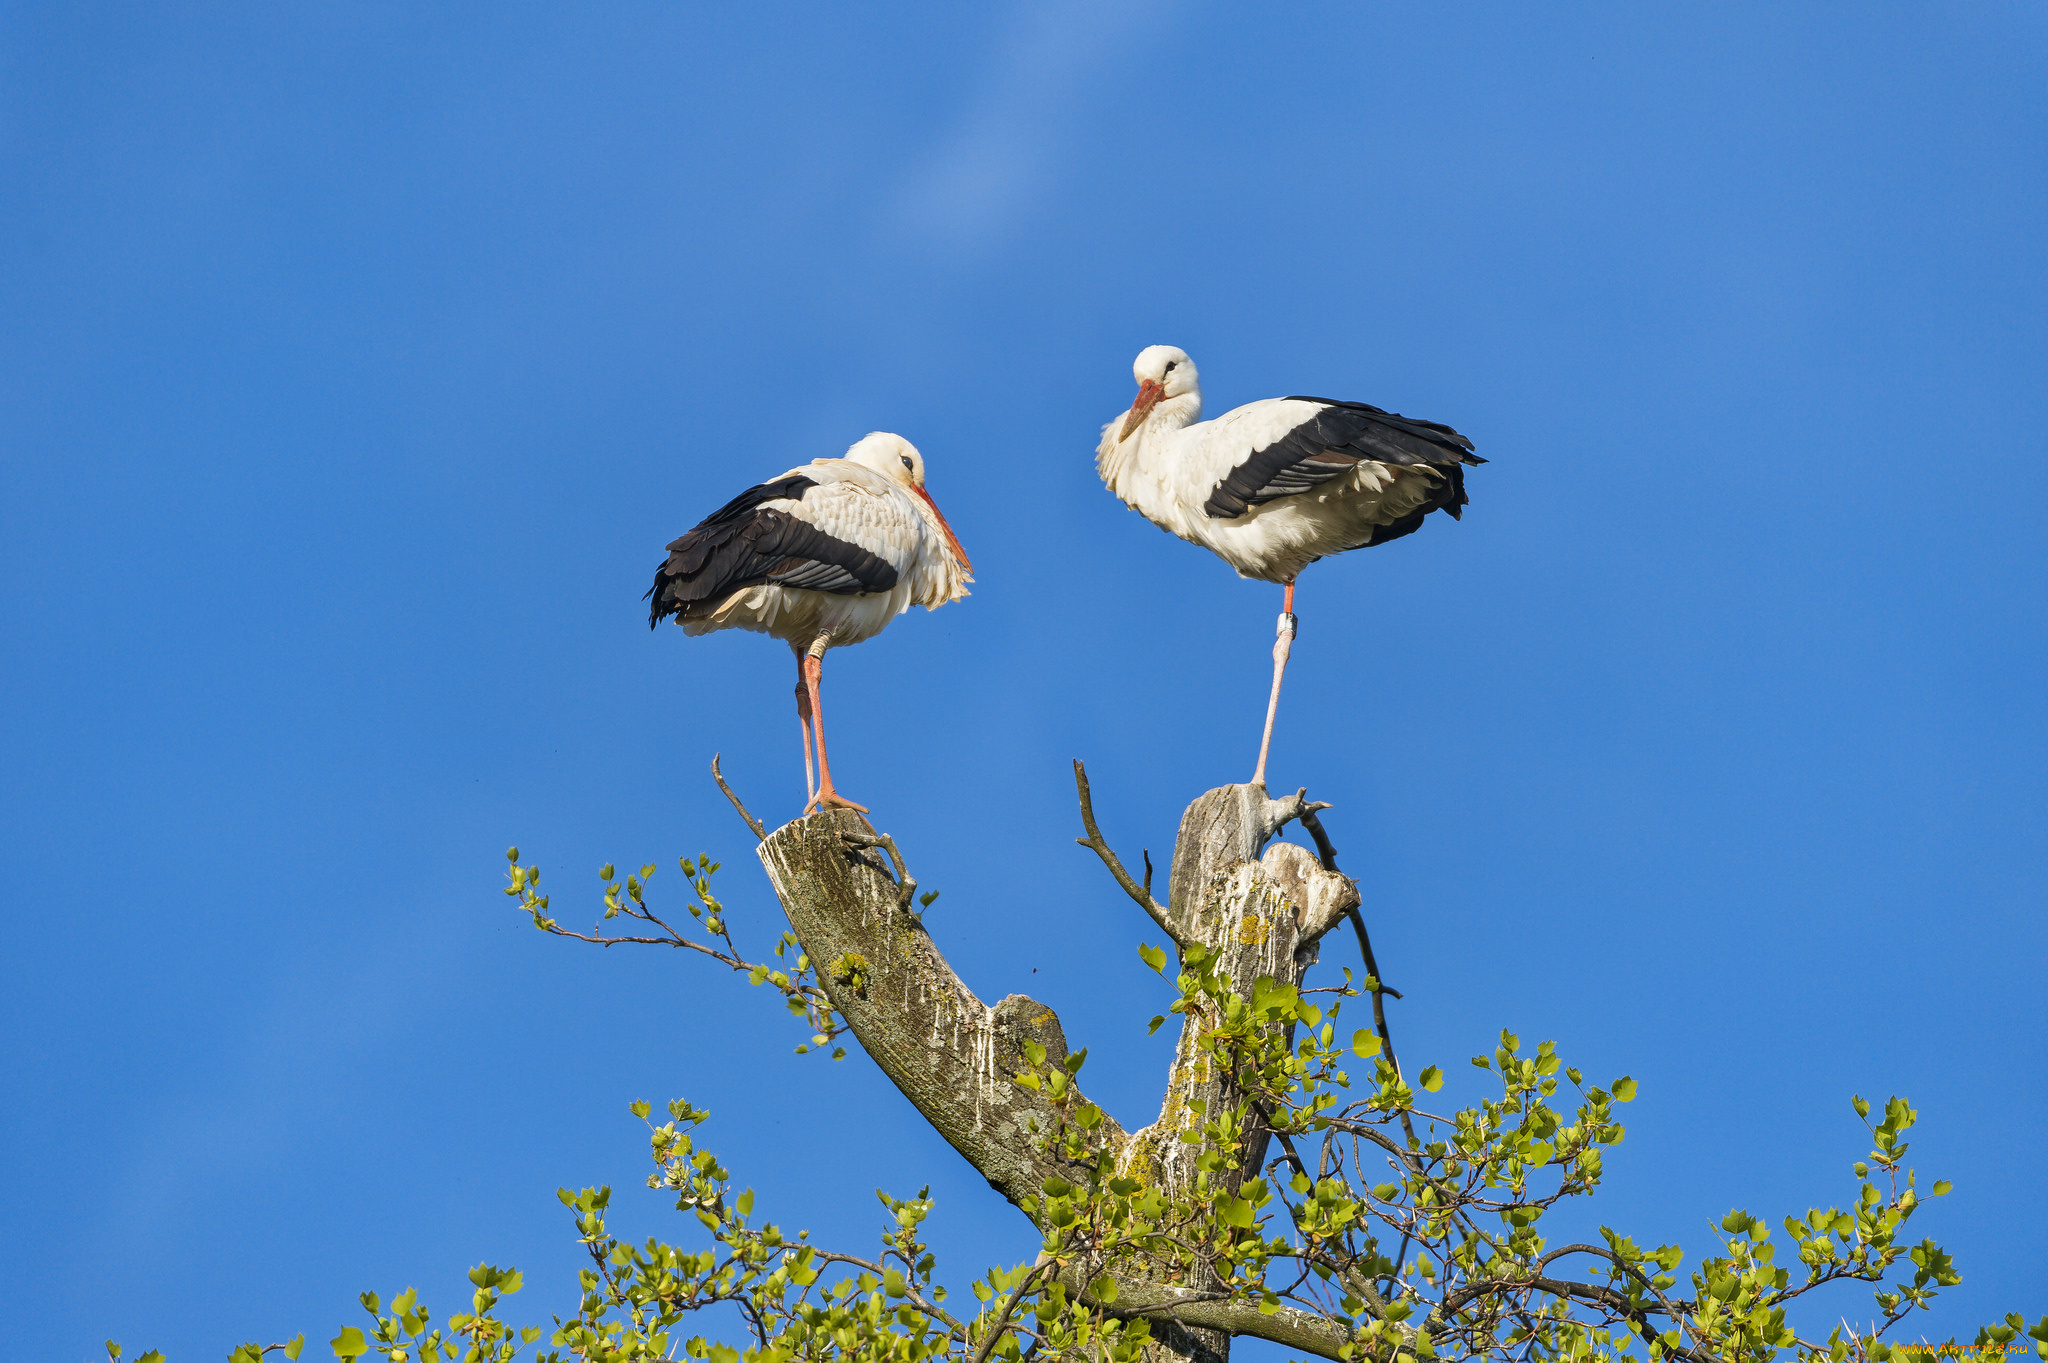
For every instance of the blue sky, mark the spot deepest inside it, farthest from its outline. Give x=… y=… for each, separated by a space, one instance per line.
x=359 y=361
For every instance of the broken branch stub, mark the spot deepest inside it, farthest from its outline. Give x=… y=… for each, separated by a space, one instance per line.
x=1261 y=916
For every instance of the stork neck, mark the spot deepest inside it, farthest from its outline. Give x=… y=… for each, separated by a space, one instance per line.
x=1172 y=414
x=1130 y=467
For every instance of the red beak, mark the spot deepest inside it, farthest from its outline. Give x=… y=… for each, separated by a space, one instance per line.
x=1149 y=394
x=951 y=538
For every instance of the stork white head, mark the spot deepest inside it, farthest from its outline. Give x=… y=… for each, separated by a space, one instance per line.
x=889 y=455
x=897 y=459
x=1162 y=372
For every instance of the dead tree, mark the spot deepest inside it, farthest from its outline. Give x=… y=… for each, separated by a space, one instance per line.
x=1262 y=909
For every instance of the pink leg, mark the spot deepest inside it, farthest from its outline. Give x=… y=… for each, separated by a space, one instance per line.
x=814 y=673
x=803 y=714
x=1281 y=648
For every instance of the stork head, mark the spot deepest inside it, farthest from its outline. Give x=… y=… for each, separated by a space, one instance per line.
x=890 y=455
x=1162 y=372
x=896 y=458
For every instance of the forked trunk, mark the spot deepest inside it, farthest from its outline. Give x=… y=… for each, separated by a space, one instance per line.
x=953 y=1056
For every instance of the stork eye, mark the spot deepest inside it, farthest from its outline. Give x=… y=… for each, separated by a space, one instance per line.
x=906 y=462
x=1170 y=364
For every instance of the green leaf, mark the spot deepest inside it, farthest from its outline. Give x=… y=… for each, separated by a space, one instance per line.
x=928 y=898
x=1942 y=1187
x=1364 y=1044
x=1153 y=957
x=1624 y=1090
x=1103 y=1289
x=349 y=1343
x=1431 y=1079
x=893 y=1284
x=297 y=1345
x=113 y=1349
x=641 y=1108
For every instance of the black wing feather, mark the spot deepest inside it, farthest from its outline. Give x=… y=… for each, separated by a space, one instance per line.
x=1336 y=440
x=745 y=544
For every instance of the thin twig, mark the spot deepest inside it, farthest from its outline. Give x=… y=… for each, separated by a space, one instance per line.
x=1365 y=950
x=916 y=1298
x=760 y=833
x=1000 y=1327
x=1314 y=825
x=1328 y=855
x=905 y=886
x=1286 y=1143
x=1141 y=893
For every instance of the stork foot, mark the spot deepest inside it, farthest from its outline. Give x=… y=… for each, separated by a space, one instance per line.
x=829 y=798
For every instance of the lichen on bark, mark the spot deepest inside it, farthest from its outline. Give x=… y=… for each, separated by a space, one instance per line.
x=1261 y=910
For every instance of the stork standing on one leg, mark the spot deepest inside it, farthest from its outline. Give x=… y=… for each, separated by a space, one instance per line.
x=820 y=557
x=1274 y=485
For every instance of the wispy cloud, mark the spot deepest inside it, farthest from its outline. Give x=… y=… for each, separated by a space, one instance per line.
x=974 y=185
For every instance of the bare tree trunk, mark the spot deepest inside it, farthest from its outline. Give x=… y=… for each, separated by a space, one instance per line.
x=953 y=1056
x=950 y=1053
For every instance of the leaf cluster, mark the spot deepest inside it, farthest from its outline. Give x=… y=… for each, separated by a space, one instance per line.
x=792 y=972
x=1300 y=1190
x=1419 y=1245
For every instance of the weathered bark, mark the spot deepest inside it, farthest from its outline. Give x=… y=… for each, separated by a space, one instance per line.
x=953 y=1056
x=950 y=1054
x=1261 y=916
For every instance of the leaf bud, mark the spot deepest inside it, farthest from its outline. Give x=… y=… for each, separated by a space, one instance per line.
x=512 y=854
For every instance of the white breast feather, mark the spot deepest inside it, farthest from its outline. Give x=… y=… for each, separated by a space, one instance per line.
x=1168 y=475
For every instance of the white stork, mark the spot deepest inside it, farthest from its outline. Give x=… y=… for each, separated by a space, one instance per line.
x=822 y=556
x=1274 y=485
